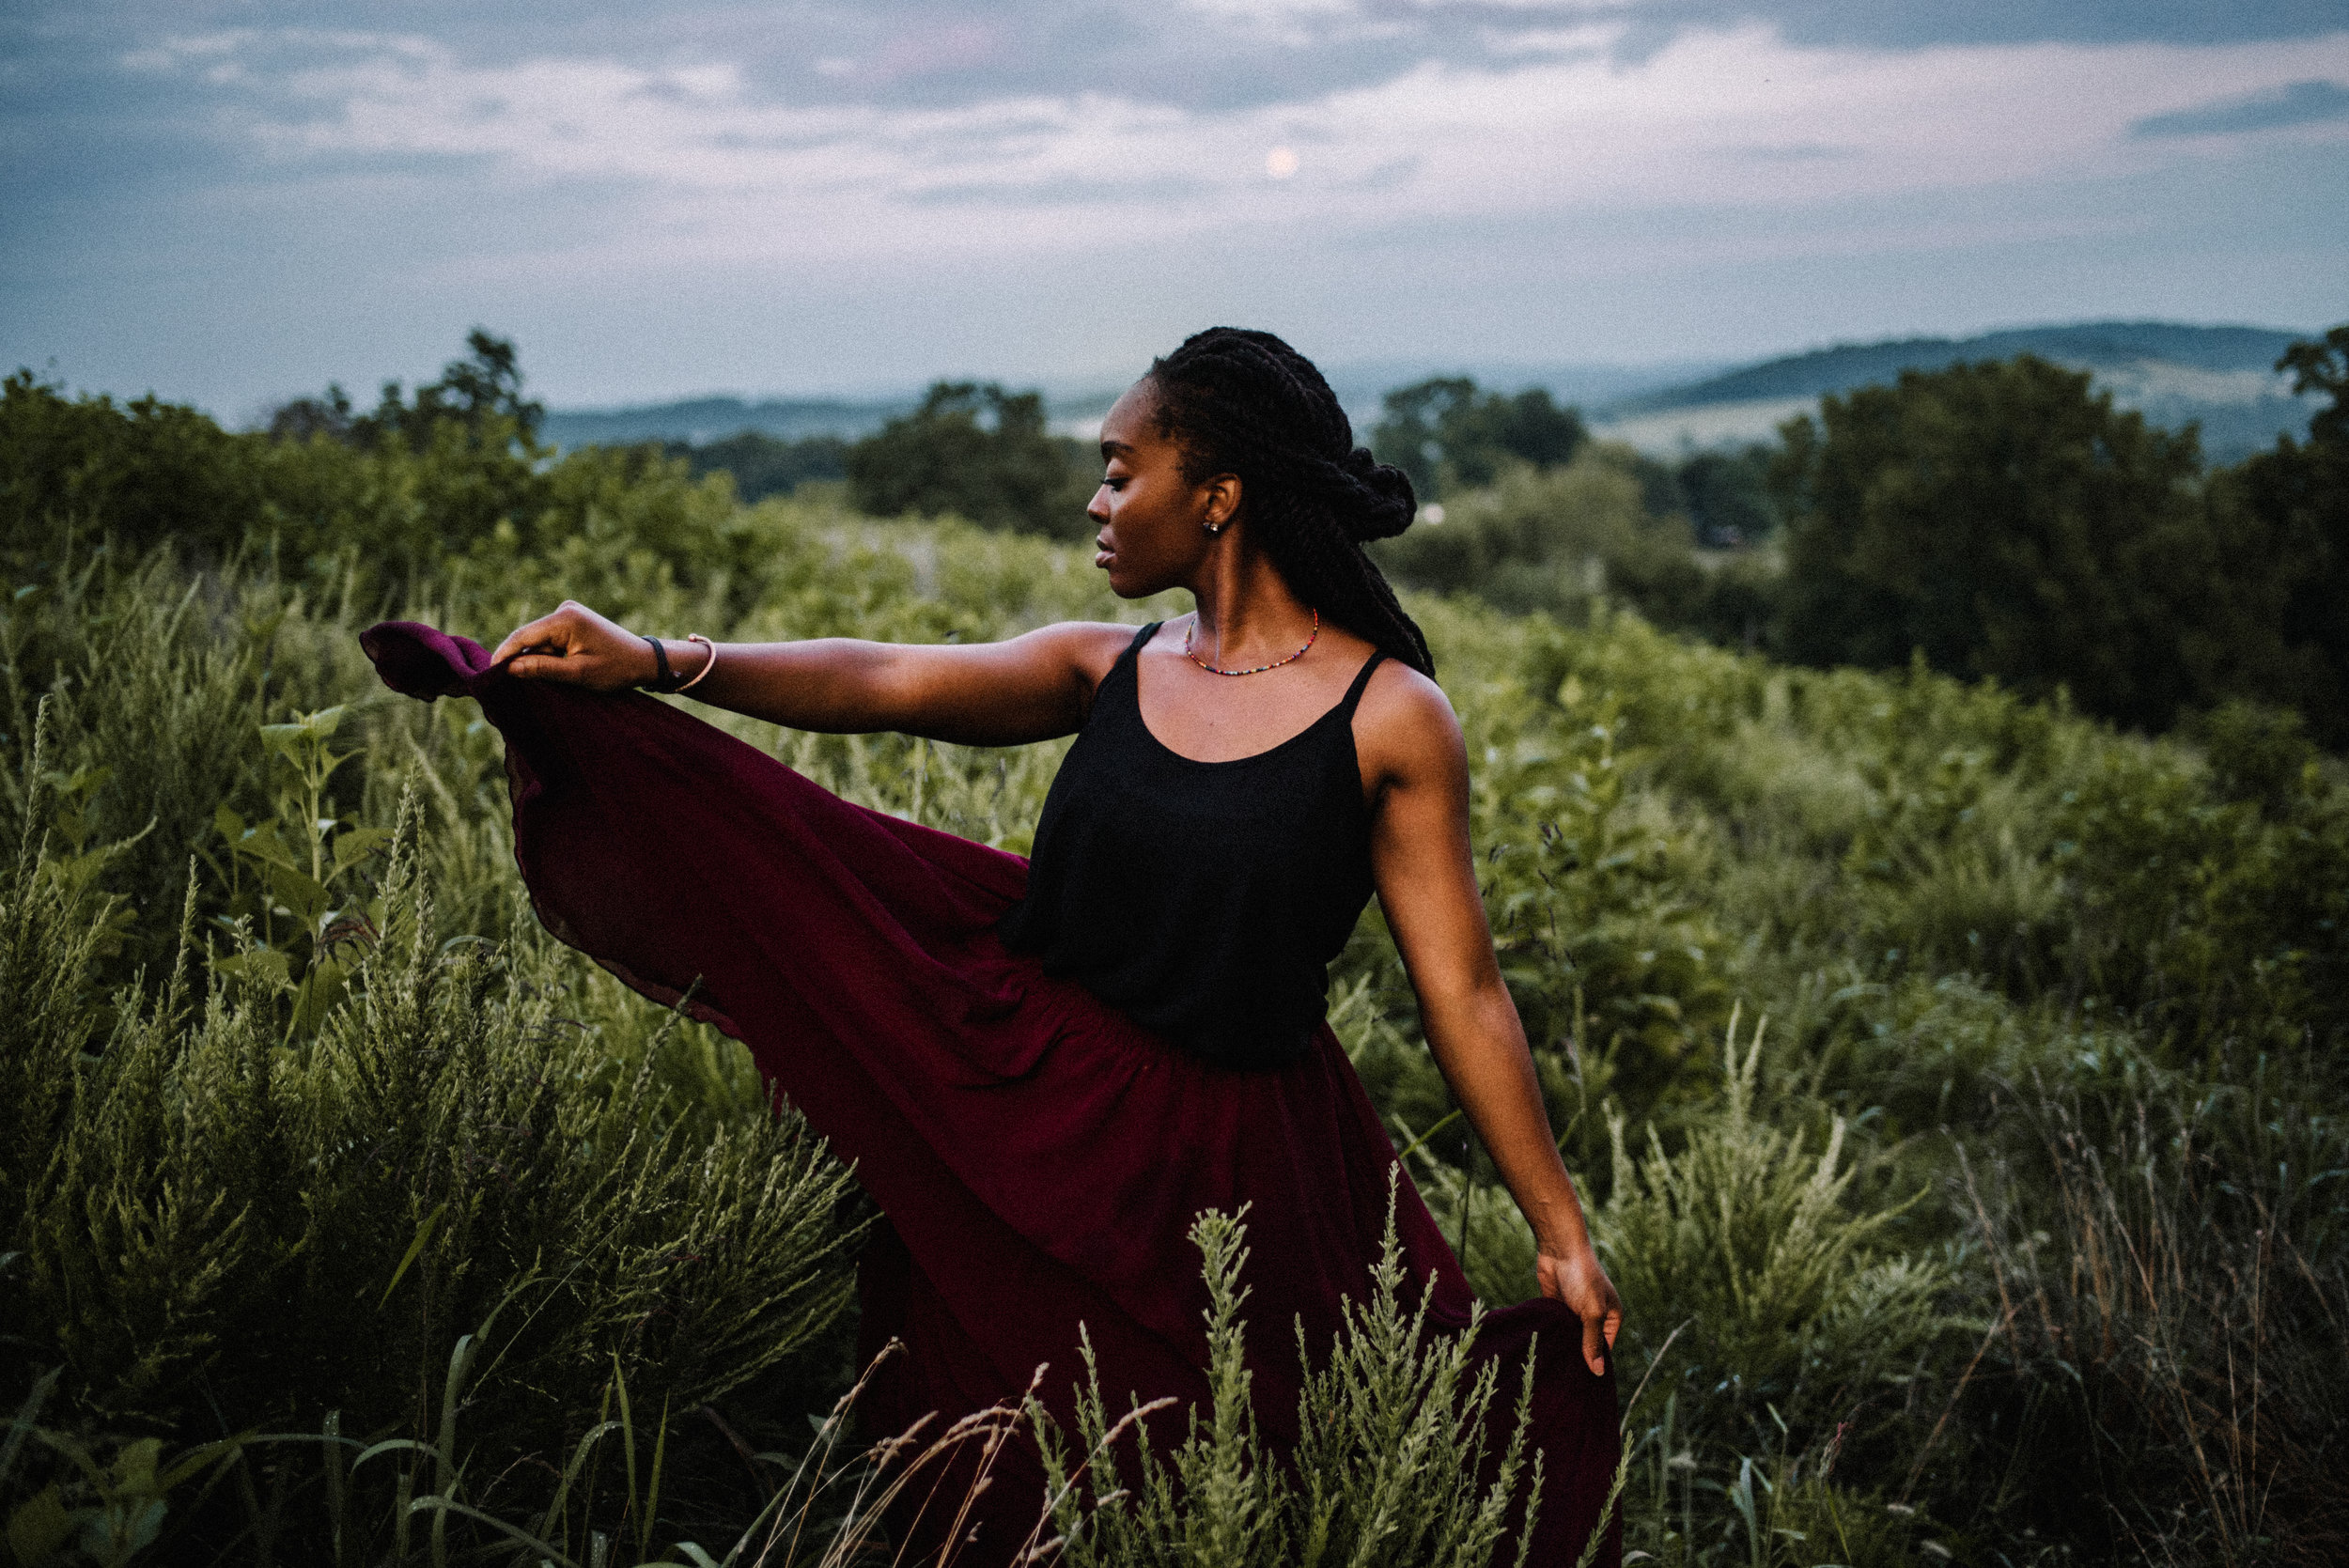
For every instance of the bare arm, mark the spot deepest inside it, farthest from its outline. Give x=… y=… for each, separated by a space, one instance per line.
x=1030 y=687
x=1426 y=880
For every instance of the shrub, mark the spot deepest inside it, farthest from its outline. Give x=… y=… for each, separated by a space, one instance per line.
x=1743 y=1237
x=1389 y=1470
x=212 y=1231
x=978 y=452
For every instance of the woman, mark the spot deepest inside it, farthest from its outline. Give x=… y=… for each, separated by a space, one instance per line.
x=1046 y=1069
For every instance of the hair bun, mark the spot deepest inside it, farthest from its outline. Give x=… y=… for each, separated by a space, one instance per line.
x=1382 y=503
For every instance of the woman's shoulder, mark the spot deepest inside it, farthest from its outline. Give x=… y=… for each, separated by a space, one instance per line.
x=1088 y=650
x=1405 y=725
x=1399 y=697
x=1096 y=645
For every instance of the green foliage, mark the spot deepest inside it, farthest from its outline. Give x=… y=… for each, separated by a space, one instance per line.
x=1726 y=495
x=2278 y=631
x=1748 y=1242
x=975 y=452
x=2004 y=521
x=1448 y=437
x=764 y=465
x=2170 y=1311
x=149 y=473
x=1392 y=1468
x=381 y=499
x=312 y=881
x=1560 y=539
x=481 y=392
x=209 y=1227
x=300 y=1217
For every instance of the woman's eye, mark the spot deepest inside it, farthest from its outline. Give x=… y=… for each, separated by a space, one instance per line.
x=1114 y=481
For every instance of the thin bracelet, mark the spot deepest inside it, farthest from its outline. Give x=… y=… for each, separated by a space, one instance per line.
x=703 y=673
x=661 y=665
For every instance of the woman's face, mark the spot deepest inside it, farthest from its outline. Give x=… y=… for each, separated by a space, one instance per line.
x=1153 y=523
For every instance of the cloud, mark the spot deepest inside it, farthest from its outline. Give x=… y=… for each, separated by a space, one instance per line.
x=1057 y=192
x=1575 y=176
x=700 y=161
x=2310 y=102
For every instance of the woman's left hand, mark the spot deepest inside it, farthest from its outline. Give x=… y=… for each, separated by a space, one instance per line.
x=1576 y=1277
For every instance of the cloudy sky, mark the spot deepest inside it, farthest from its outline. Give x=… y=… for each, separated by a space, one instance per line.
x=229 y=203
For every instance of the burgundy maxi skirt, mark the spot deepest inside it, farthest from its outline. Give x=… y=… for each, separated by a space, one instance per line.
x=1040 y=1157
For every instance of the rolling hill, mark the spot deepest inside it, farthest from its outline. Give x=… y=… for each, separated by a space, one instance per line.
x=2223 y=377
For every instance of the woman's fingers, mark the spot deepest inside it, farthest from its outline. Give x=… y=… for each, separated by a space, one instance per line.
x=1580 y=1282
x=1598 y=1337
x=574 y=646
x=539 y=666
x=544 y=632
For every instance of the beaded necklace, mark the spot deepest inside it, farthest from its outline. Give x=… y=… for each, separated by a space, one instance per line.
x=1259 y=669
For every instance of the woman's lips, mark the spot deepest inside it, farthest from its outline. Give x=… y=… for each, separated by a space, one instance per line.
x=1104 y=552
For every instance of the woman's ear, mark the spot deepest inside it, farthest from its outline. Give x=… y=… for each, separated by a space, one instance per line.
x=1222 y=495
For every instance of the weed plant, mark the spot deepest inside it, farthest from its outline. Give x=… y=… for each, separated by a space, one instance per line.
x=1392 y=1468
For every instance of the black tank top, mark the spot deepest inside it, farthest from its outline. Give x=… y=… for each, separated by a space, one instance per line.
x=1205 y=900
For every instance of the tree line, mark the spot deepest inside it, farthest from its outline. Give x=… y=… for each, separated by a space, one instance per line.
x=1998 y=520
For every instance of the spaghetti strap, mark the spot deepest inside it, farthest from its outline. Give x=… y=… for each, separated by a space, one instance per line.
x=1361 y=682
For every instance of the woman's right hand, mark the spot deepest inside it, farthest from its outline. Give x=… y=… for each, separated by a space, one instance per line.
x=577 y=647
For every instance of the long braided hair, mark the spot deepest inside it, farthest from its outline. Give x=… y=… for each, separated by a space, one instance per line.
x=1246 y=403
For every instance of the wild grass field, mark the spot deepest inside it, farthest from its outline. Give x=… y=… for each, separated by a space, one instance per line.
x=1956 y=1084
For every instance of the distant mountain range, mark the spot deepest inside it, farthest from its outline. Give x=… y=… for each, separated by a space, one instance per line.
x=2223 y=377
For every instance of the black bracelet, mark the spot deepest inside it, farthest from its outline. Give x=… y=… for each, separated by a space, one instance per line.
x=664 y=681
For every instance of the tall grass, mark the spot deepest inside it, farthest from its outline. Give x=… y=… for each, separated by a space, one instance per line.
x=2173 y=1318
x=219 y=1222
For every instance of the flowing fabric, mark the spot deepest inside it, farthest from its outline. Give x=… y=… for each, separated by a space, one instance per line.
x=1039 y=1156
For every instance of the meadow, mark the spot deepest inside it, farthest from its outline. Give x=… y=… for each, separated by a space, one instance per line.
x=1955 y=1083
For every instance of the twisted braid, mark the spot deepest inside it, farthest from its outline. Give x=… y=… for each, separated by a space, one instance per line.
x=1246 y=403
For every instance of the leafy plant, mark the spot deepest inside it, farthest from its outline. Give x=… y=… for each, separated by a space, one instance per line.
x=1743 y=1236
x=311 y=882
x=1392 y=1468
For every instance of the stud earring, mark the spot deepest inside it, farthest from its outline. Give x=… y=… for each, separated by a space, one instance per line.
x=1213 y=528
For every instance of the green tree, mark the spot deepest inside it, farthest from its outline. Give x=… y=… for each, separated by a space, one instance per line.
x=482 y=392
x=1558 y=539
x=1726 y=495
x=1999 y=520
x=764 y=465
x=1448 y=436
x=2281 y=633
x=143 y=473
x=976 y=452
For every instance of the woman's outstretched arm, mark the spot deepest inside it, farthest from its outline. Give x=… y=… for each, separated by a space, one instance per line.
x=1413 y=754
x=1030 y=687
